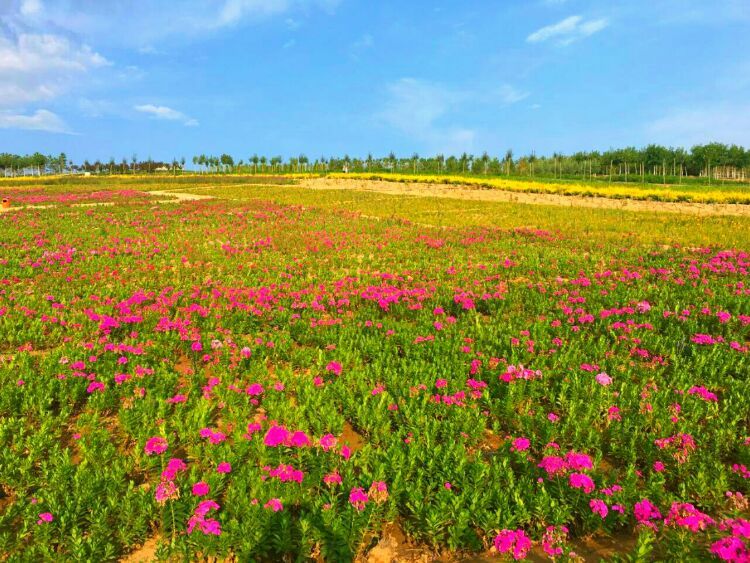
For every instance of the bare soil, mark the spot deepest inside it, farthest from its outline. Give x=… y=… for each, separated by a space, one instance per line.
x=473 y=193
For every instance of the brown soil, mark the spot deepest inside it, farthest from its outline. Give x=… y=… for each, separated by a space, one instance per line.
x=145 y=553
x=352 y=438
x=473 y=193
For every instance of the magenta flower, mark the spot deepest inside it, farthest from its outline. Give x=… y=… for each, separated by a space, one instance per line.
x=155 y=445
x=327 y=442
x=685 y=515
x=578 y=461
x=174 y=466
x=95 y=386
x=299 y=439
x=358 y=498
x=332 y=479
x=645 y=511
x=599 y=507
x=582 y=481
x=554 y=539
x=521 y=444
x=276 y=436
x=45 y=518
x=515 y=542
x=274 y=504
x=224 y=467
x=334 y=367
x=730 y=549
x=201 y=489
x=553 y=465
x=166 y=490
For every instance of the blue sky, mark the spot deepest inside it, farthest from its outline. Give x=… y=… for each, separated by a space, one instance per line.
x=109 y=78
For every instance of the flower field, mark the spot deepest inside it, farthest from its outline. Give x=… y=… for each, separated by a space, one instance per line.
x=273 y=375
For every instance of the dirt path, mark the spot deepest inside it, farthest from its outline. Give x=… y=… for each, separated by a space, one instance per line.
x=472 y=193
x=176 y=197
x=179 y=196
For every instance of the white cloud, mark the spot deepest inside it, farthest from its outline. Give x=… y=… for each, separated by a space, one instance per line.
x=415 y=108
x=140 y=25
x=37 y=67
x=31 y=7
x=426 y=111
x=510 y=95
x=40 y=120
x=568 y=30
x=166 y=113
x=725 y=123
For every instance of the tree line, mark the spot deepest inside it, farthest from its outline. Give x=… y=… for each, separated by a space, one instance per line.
x=652 y=163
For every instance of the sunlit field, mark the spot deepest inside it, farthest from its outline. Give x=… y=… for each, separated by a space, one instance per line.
x=279 y=373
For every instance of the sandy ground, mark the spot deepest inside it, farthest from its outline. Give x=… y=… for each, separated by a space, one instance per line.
x=473 y=193
x=175 y=197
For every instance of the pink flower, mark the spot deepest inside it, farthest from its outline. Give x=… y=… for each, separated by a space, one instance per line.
x=327 y=442
x=582 y=481
x=334 y=367
x=599 y=507
x=578 y=461
x=553 y=465
x=685 y=515
x=201 y=489
x=346 y=453
x=552 y=417
x=730 y=549
x=224 y=467
x=299 y=439
x=358 y=498
x=274 y=504
x=658 y=466
x=166 y=490
x=554 y=539
x=276 y=436
x=45 y=517
x=95 y=386
x=603 y=379
x=174 y=466
x=441 y=383
x=155 y=445
x=645 y=511
x=255 y=389
x=514 y=541
x=196 y=346
x=520 y=444
x=332 y=479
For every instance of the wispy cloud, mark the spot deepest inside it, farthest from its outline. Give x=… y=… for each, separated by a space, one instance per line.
x=166 y=113
x=140 y=25
x=508 y=94
x=40 y=120
x=427 y=111
x=38 y=67
x=569 y=30
x=726 y=123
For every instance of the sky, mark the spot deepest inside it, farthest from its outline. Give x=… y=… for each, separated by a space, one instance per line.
x=101 y=79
